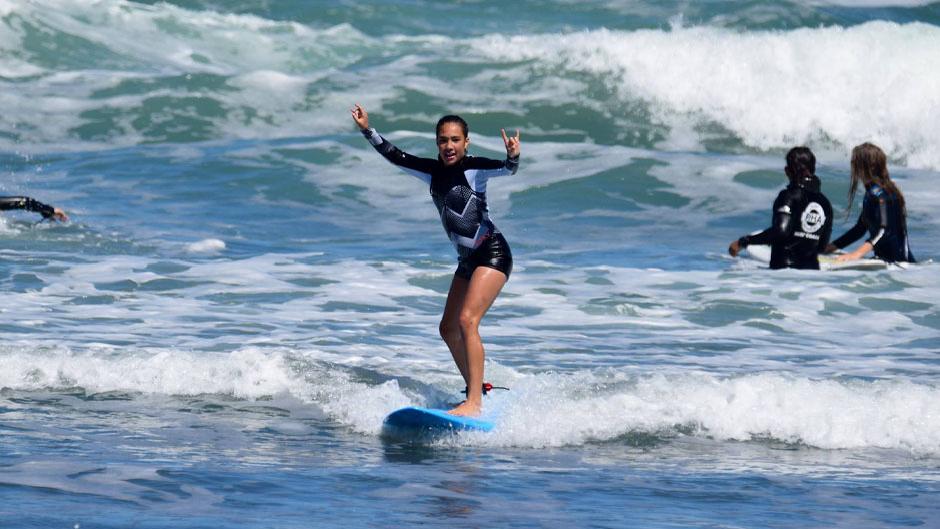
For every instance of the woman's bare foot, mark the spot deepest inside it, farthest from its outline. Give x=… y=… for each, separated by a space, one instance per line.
x=467 y=409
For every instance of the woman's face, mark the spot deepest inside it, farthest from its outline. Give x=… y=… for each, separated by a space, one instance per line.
x=451 y=143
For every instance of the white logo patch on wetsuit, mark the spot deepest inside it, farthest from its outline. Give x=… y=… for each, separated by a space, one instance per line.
x=814 y=217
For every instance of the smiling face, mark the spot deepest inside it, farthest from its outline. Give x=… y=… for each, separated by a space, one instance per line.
x=451 y=143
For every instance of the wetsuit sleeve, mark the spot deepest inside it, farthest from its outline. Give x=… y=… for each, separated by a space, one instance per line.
x=781 y=225
x=8 y=203
x=418 y=167
x=764 y=237
x=827 y=229
x=854 y=234
x=489 y=168
x=878 y=215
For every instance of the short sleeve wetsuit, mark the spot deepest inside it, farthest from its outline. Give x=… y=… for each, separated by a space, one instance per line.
x=8 y=203
x=802 y=225
x=459 y=193
x=883 y=218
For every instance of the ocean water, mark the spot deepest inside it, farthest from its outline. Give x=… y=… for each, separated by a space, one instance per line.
x=246 y=288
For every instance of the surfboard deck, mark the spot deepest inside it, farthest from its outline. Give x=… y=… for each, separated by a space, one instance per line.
x=761 y=252
x=433 y=421
x=830 y=263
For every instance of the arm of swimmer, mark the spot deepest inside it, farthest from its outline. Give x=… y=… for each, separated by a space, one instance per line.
x=780 y=227
x=28 y=204
x=418 y=167
x=854 y=234
x=764 y=237
x=869 y=245
x=489 y=168
x=859 y=252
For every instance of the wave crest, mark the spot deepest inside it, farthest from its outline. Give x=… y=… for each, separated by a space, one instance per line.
x=772 y=89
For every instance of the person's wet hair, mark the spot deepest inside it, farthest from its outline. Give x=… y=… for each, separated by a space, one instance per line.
x=453 y=119
x=870 y=166
x=802 y=162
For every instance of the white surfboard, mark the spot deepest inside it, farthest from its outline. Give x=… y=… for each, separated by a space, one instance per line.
x=761 y=252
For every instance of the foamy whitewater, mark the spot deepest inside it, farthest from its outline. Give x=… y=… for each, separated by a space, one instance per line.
x=246 y=289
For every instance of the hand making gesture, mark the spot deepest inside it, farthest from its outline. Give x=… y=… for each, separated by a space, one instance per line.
x=512 y=144
x=360 y=116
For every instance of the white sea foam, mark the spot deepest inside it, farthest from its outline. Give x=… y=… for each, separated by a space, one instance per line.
x=558 y=313
x=206 y=246
x=7 y=229
x=586 y=406
x=268 y=63
x=822 y=413
x=245 y=373
x=736 y=354
x=770 y=89
x=872 y=82
x=185 y=40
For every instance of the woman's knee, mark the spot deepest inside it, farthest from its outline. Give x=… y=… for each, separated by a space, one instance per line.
x=449 y=331
x=469 y=322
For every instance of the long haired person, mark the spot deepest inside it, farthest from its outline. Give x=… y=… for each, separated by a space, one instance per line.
x=457 y=183
x=883 y=215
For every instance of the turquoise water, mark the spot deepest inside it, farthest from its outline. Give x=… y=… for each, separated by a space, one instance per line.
x=246 y=289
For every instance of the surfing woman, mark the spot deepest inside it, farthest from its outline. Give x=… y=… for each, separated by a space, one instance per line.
x=458 y=187
x=883 y=216
x=47 y=212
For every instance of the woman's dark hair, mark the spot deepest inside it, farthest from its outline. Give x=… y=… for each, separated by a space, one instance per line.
x=802 y=162
x=453 y=119
x=870 y=166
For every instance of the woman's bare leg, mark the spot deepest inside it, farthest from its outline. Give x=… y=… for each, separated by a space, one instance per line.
x=484 y=286
x=450 y=324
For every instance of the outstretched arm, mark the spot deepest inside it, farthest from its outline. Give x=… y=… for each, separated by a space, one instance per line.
x=489 y=168
x=877 y=217
x=854 y=234
x=419 y=167
x=764 y=237
x=47 y=212
x=781 y=227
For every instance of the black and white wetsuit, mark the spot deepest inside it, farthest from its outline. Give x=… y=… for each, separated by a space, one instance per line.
x=8 y=203
x=883 y=218
x=459 y=192
x=802 y=225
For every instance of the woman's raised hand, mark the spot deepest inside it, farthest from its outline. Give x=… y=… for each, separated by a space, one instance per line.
x=361 y=117
x=512 y=144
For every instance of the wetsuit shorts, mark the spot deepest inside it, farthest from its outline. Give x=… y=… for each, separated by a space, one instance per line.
x=493 y=252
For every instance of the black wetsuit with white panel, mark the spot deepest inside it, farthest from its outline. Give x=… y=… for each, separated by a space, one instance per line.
x=459 y=193
x=802 y=225
x=883 y=218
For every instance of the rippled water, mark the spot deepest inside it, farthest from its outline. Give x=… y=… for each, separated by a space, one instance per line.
x=246 y=289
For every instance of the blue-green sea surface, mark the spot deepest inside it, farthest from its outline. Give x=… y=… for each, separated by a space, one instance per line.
x=245 y=288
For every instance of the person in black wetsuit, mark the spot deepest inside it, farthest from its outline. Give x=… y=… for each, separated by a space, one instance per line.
x=883 y=216
x=47 y=212
x=802 y=218
x=457 y=184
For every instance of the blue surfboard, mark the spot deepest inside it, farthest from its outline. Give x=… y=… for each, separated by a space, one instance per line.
x=430 y=421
